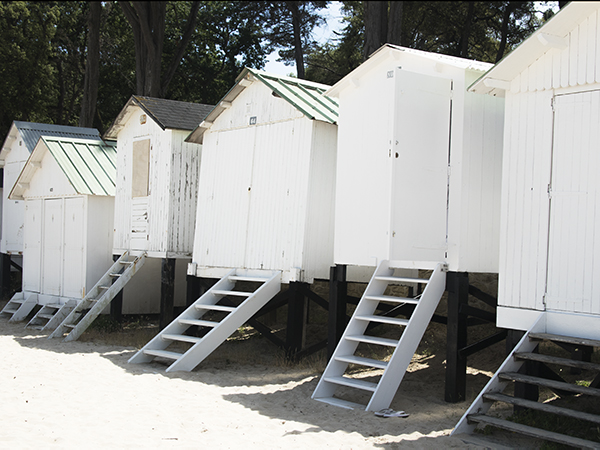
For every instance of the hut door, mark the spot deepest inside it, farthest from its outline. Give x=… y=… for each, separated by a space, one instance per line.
x=32 y=250
x=52 y=243
x=74 y=265
x=574 y=236
x=140 y=188
x=420 y=153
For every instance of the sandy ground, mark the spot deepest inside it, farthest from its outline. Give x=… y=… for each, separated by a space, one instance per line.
x=86 y=395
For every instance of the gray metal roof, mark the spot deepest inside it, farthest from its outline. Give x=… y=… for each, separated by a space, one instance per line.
x=171 y=114
x=88 y=164
x=31 y=132
x=306 y=96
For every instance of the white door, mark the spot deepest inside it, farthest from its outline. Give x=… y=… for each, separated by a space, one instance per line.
x=32 y=248
x=420 y=167
x=140 y=189
x=52 y=240
x=573 y=276
x=74 y=262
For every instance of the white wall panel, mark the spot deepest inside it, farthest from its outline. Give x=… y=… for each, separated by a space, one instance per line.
x=32 y=251
x=74 y=238
x=52 y=246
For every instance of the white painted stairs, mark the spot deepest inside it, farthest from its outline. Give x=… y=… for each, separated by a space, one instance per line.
x=558 y=328
x=382 y=392
x=99 y=297
x=226 y=299
x=51 y=315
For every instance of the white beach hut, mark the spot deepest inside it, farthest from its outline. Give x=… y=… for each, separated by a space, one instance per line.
x=417 y=187
x=156 y=196
x=18 y=145
x=549 y=284
x=265 y=202
x=67 y=187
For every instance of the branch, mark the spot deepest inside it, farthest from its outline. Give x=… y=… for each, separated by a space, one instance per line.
x=180 y=51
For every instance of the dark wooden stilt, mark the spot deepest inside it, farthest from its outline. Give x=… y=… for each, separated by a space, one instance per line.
x=338 y=293
x=457 y=285
x=167 y=292
x=116 y=305
x=4 y=275
x=193 y=290
x=296 y=321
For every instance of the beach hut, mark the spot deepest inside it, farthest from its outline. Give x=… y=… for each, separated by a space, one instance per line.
x=156 y=197
x=549 y=285
x=417 y=187
x=265 y=205
x=67 y=187
x=16 y=148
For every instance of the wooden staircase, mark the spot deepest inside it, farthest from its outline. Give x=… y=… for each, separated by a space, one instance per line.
x=232 y=301
x=51 y=315
x=510 y=372
x=19 y=306
x=356 y=333
x=99 y=297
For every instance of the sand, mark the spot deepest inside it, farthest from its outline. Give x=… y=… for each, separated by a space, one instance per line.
x=86 y=395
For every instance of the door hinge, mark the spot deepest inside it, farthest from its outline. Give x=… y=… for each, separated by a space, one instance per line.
x=549 y=191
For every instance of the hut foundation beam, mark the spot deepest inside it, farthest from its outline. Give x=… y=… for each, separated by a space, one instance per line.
x=116 y=305
x=296 y=320
x=167 y=292
x=338 y=293
x=457 y=285
x=4 y=275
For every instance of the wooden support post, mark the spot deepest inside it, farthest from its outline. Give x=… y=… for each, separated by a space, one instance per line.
x=167 y=292
x=457 y=285
x=338 y=293
x=193 y=290
x=116 y=305
x=4 y=276
x=296 y=320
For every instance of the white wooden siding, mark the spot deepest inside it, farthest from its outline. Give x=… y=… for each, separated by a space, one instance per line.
x=73 y=254
x=576 y=65
x=52 y=242
x=99 y=238
x=13 y=211
x=32 y=249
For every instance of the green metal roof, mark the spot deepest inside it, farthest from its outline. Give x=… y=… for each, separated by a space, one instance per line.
x=89 y=165
x=306 y=96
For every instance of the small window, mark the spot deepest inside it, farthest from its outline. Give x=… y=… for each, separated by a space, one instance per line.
x=140 y=168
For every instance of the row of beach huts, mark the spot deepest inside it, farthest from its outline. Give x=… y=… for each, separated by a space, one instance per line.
x=414 y=163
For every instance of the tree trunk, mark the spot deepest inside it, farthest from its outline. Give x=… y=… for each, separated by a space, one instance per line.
x=298 y=53
x=508 y=9
x=394 y=31
x=464 y=38
x=92 y=65
x=375 y=26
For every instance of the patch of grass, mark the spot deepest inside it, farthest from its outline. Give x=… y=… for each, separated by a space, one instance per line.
x=105 y=324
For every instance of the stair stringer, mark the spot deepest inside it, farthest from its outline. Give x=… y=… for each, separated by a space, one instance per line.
x=101 y=302
x=62 y=311
x=409 y=341
x=496 y=385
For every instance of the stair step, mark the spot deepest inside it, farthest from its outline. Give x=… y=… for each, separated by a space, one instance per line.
x=559 y=385
x=114 y=275
x=565 y=339
x=181 y=337
x=215 y=307
x=363 y=361
x=389 y=298
x=384 y=319
x=391 y=279
x=373 y=340
x=45 y=316
x=104 y=287
x=9 y=311
x=54 y=305
x=163 y=354
x=233 y=293
x=542 y=407
x=70 y=325
x=341 y=403
x=197 y=322
x=531 y=431
x=559 y=361
x=247 y=278
x=352 y=382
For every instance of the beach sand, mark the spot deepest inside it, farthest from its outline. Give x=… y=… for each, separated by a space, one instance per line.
x=84 y=394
